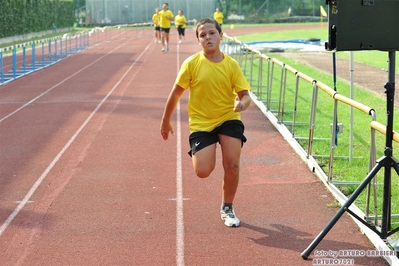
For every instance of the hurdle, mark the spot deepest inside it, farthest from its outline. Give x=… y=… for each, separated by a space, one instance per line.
x=44 y=53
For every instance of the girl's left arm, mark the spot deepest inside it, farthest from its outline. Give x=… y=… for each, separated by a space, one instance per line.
x=243 y=101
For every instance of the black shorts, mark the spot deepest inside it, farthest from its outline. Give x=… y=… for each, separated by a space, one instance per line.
x=180 y=31
x=200 y=140
x=157 y=28
x=166 y=30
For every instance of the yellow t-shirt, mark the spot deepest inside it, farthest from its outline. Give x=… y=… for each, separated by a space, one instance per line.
x=213 y=89
x=155 y=19
x=180 y=20
x=163 y=21
x=218 y=16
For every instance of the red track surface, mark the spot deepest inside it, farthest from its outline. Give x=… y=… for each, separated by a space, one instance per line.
x=80 y=146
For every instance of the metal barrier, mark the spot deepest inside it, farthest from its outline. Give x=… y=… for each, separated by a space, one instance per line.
x=372 y=186
x=22 y=59
x=269 y=85
x=270 y=89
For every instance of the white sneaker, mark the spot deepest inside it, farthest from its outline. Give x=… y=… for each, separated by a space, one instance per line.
x=179 y=41
x=229 y=217
x=167 y=46
x=163 y=49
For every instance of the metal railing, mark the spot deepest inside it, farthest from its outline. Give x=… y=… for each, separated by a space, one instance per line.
x=269 y=85
x=268 y=79
x=22 y=59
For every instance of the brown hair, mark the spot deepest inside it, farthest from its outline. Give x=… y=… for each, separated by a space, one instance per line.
x=208 y=20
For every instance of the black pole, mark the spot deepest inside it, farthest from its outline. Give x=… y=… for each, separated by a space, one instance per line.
x=390 y=91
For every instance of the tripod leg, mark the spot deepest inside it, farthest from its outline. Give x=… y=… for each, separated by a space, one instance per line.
x=395 y=165
x=386 y=204
x=305 y=254
x=386 y=211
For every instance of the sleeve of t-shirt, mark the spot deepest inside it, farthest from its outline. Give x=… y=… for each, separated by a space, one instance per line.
x=240 y=81
x=183 y=77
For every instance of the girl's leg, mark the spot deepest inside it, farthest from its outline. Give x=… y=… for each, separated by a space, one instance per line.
x=163 y=38
x=158 y=36
x=204 y=161
x=167 y=41
x=179 y=33
x=231 y=152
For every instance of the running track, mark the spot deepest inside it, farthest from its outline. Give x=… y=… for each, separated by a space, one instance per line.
x=86 y=179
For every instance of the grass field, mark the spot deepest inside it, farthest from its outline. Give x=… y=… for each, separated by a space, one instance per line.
x=372 y=58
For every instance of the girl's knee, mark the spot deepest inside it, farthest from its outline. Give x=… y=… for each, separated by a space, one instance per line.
x=232 y=168
x=203 y=172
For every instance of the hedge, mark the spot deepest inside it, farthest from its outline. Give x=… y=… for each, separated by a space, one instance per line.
x=19 y=17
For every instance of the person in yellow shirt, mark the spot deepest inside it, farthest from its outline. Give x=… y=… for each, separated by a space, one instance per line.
x=165 y=17
x=218 y=16
x=218 y=94
x=180 y=22
x=157 y=28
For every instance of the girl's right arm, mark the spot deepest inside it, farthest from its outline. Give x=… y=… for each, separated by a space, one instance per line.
x=171 y=103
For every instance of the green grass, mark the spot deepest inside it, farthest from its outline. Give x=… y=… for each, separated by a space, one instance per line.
x=378 y=59
x=372 y=58
x=284 y=35
x=245 y=25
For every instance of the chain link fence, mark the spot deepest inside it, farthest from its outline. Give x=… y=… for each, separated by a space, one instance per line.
x=139 y=11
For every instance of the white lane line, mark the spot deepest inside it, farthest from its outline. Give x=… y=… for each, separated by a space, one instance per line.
x=179 y=186
x=63 y=150
x=56 y=85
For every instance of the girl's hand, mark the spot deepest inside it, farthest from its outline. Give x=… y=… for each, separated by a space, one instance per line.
x=166 y=127
x=238 y=105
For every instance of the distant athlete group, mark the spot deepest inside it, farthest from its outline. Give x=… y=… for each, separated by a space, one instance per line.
x=162 y=23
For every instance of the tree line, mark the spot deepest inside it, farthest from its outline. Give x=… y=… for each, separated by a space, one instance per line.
x=269 y=9
x=18 y=17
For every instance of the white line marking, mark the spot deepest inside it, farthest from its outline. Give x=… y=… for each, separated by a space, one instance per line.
x=179 y=186
x=183 y=199
x=64 y=149
x=56 y=85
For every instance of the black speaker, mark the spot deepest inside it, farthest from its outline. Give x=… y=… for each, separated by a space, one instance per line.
x=363 y=25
